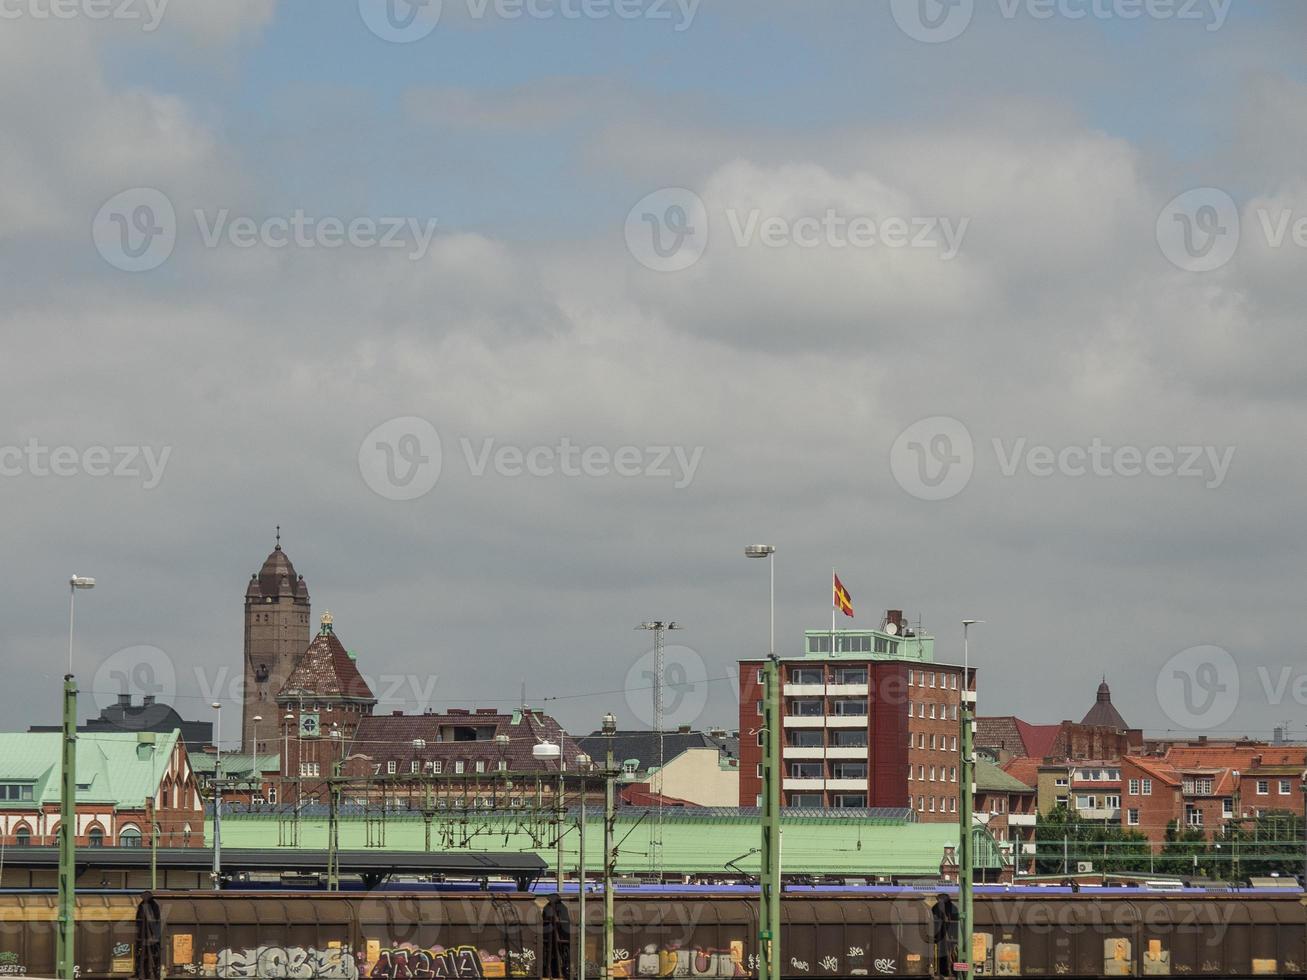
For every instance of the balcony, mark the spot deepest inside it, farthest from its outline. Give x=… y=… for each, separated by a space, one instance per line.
x=1098 y=813
x=804 y=690
x=847 y=752
x=804 y=752
x=804 y=721
x=847 y=690
x=791 y=783
x=845 y=721
x=1021 y=819
x=855 y=784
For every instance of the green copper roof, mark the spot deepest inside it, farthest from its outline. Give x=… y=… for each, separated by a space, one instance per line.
x=122 y=769
x=990 y=777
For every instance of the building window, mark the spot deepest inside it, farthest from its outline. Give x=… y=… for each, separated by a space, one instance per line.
x=95 y=838
x=481 y=765
x=805 y=770
x=1112 y=802
x=1084 y=802
x=952 y=805
x=311 y=769
x=910 y=683
x=1132 y=817
x=503 y=766
x=1193 y=816
x=847 y=801
x=1263 y=787
x=1134 y=787
x=760 y=770
x=954 y=685
x=1060 y=801
x=1227 y=807
x=1061 y=782
x=851 y=675
x=1284 y=787
x=758 y=709
x=932 y=707
x=932 y=678
x=414 y=766
x=952 y=774
x=458 y=766
x=805 y=738
x=932 y=741
x=15 y=791
x=806 y=707
x=1146 y=788
x=272 y=794
x=129 y=836
x=921 y=773
x=909 y=772
x=847 y=708
x=392 y=767
x=849 y=770
x=932 y=774
x=847 y=738
x=953 y=744
x=806 y=801
x=932 y=804
x=23 y=837
x=802 y=675
x=437 y=766
x=921 y=803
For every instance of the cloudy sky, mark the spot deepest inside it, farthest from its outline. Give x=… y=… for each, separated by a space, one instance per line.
x=522 y=319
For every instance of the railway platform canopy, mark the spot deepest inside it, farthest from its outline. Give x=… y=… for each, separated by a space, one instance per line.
x=190 y=867
x=872 y=844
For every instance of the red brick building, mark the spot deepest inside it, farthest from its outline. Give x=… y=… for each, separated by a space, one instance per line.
x=870 y=720
x=1206 y=785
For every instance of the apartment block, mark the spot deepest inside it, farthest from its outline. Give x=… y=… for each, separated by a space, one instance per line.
x=870 y=720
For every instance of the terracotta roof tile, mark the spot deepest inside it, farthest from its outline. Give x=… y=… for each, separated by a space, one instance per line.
x=326 y=670
x=404 y=739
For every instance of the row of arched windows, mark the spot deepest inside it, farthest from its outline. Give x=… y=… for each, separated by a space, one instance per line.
x=128 y=836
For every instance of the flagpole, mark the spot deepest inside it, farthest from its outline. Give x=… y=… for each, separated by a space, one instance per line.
x=832 y=610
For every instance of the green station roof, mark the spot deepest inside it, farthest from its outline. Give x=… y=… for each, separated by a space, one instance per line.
x=121 y=769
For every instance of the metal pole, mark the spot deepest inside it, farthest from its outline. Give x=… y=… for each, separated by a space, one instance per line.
x=558 y=814
x=66 y=958
x=333 y=831
x=217 y=805
x=769 y=892
x=609 y=860
x=966 y=867
x=580 y=873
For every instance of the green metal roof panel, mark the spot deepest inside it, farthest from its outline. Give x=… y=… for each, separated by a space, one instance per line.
x=689 y=844
x=122 y=769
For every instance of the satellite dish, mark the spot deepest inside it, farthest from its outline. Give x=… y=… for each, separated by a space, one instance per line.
x=546 y=750
x=892 y=628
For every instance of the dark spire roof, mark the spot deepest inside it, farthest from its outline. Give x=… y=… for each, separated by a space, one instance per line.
x=277 y=577
x=326 y=670
x=1103 y=714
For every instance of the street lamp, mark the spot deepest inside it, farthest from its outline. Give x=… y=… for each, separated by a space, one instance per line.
x=68 y=801
x=769 y=886
x=217 y=800
x=966 y=862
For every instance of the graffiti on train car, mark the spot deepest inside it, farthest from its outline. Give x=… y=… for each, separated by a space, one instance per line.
x=281 y=963
x=679 y=961
x=11 y=965
x=408 y=962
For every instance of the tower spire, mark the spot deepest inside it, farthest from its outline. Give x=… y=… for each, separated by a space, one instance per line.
x=278 y=548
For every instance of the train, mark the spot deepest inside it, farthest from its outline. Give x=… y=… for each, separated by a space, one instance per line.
x=481 y=935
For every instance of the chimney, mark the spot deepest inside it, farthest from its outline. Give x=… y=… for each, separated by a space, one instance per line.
x=397 y=714
x=683 y=730
x=124 y=700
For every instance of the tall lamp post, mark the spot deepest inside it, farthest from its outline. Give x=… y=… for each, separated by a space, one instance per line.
x=65 y=954
x=967 y=791
x=217 y=801
x=769 y=891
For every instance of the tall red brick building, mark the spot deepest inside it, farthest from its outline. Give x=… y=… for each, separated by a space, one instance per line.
x=870 y=720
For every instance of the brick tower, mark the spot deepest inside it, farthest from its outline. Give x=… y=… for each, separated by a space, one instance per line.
x=276 y=633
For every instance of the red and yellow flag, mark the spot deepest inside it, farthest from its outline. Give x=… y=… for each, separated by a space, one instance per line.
x=841 y=600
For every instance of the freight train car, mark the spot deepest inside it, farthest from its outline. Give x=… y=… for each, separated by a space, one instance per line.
x=104 y=941
x=469 y=937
